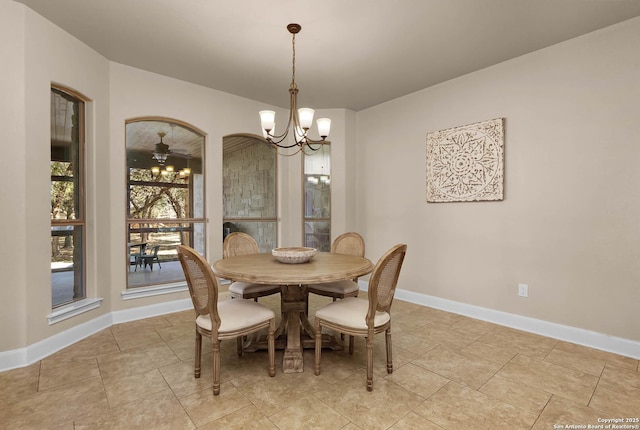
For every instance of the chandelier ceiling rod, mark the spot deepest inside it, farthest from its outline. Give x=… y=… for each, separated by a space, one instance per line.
x=300 y=119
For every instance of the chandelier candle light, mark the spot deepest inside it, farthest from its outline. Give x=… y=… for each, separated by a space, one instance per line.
x=301 y=119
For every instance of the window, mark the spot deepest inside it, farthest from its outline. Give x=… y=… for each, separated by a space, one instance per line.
x=165 y=198
x=68 y=224
x=317 y=198
x=249 y=188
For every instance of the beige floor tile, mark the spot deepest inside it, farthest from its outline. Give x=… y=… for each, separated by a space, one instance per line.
x=435 y=316
x=271 y=395
x=529 y=344
x=185 y=348
x=136 y=337
x=143 y=324
x=457 y=407
x=203 y=407
x=473 y=326
x=399 y=355
x=93 y=346
x=178 y=331
x=618 y=393
x=136 y=360
x=17 y=383
x=418 y=380
x=308 y=412
x=520 y=395
x=565 y=413
x=562 y=381
x=159 y=411
x=594 y=355
x=377 y=409
x=467 y=370
x=500 y=355
x=247 y=418
x=582 y=363
x=336 y=365
x=130 y=388
x=52 y=377
x=615 y=378
x=180 y=377
x=409 y=320
x=55 y=407
x=431 y=335
x=181 y=317
x=413 y=421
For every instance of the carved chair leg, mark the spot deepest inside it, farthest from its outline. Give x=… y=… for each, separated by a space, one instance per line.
x=198 y=358
x=216 y=366
x=389 y=355
x=318 y=346
x=370 y=363
x=272 y=348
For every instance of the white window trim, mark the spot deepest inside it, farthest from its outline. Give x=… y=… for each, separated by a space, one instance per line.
x=154 y=290
x=76 y=308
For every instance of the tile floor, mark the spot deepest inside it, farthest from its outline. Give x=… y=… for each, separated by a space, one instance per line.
x=451 y=372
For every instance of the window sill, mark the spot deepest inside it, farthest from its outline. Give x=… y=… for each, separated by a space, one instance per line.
x=73 y=309
x=156 y=290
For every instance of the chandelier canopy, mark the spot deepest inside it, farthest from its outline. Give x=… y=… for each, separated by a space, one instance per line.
x=300 y=120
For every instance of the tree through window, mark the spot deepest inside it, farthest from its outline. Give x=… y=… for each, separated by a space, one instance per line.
x=165 y=193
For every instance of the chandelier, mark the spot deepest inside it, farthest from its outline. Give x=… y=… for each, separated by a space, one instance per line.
x=300 y=120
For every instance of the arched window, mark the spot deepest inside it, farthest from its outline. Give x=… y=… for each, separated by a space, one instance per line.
x=249 y=188
x=68 y=218
x=165 y=198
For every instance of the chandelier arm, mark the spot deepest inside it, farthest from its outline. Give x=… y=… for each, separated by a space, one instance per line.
x=313 y=150
x=279 y=152
x=277 y=139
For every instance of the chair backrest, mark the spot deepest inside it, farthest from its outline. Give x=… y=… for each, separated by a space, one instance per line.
x=349 y=243
x=383 y=281
x=238 y=243
x=203 y=285
x=154 y=250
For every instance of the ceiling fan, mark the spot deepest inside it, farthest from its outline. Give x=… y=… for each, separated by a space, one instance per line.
x=161 y=150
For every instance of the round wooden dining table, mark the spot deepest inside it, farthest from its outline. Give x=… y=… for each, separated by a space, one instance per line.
x=295 y=332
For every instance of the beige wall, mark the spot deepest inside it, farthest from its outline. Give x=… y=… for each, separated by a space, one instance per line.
x=26 y=79
x=568 y=226
x=13 y=252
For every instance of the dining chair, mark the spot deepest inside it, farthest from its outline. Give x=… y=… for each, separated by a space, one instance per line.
x=133 y=256
x=221 y=320
x=347 y=243
x=238 y=243
x=148 y=259
x=365 y=318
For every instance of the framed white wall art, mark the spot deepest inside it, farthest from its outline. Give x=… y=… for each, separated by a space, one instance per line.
x=466 y=163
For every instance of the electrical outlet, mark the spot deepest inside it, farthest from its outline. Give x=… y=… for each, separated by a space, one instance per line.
x=523 y=290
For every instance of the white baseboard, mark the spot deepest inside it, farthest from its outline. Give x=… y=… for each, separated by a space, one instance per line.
x=25 y=356
x=592 y=339
x=149 y=311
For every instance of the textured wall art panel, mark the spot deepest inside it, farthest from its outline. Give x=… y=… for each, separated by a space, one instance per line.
x=466 y=163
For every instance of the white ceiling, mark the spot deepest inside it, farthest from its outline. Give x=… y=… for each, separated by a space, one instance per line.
x=350 y=54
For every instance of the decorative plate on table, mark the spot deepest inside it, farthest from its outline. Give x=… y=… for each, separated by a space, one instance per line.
x=293 y=255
